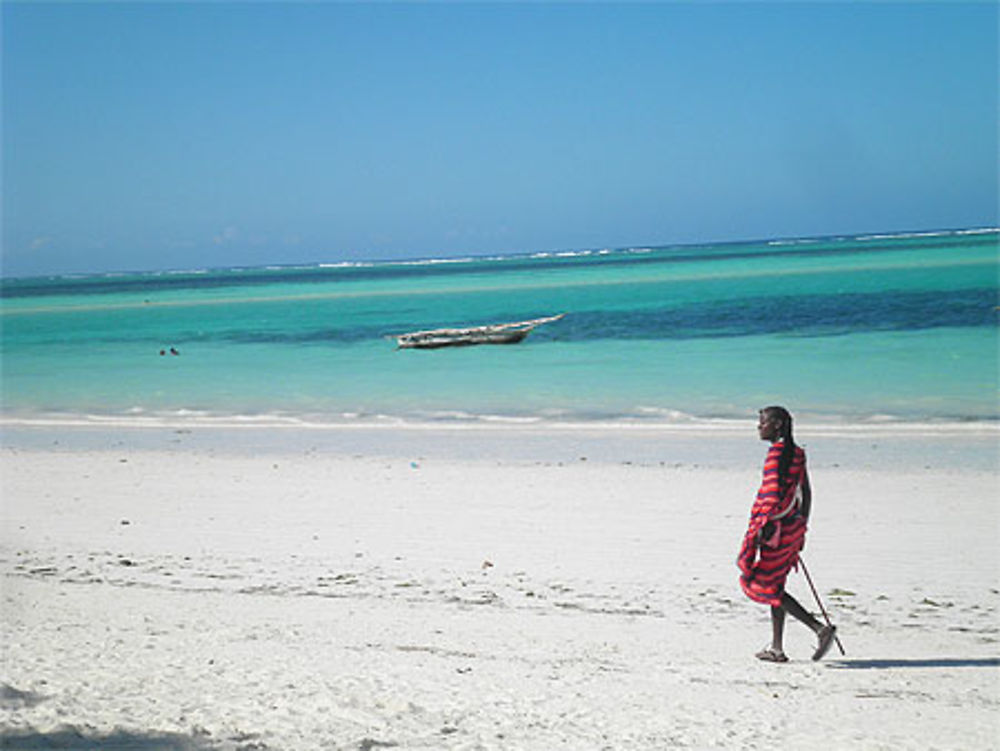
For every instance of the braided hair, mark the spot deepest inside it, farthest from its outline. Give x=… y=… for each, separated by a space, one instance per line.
x=788 y=449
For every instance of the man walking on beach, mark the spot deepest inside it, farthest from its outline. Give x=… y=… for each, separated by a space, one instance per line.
x=776 y=533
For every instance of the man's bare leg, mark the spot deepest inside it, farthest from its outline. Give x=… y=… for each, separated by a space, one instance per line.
x=790 y=605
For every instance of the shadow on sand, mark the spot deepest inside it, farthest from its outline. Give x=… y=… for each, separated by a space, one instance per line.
x=934 y=662
x=117 y=741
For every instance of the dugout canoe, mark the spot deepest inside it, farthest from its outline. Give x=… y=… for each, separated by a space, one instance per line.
x=494 y=333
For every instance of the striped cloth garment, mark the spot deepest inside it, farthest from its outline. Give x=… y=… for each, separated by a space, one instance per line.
x=776 y=532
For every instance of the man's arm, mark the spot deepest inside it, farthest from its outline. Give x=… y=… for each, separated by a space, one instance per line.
x=806 y=495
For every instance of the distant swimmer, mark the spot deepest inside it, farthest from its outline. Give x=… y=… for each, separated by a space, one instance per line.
x=174 y=351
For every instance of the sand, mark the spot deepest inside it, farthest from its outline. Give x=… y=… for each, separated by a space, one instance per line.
x=516 y=588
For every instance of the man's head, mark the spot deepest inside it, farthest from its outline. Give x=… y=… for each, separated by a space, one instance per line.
x=774 y=423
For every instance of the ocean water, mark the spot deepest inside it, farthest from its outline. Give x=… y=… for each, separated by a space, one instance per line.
x=874 y=328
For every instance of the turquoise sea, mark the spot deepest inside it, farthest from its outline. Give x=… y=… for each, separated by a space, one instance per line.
x=890 y=327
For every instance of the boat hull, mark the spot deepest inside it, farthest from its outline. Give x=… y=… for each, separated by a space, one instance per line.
x=497 y=333
x=507 y=337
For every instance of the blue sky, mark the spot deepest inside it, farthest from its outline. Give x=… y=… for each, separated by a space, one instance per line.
x=143 y=136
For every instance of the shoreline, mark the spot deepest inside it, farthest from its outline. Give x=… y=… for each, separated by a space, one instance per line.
x=724 y=444
x=669 y=421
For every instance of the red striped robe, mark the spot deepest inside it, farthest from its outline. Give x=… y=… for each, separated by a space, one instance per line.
x=765 y=563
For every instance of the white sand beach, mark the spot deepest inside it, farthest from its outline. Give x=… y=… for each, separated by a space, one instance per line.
x=516 y=588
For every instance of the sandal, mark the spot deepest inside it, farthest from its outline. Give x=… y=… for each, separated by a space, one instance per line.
x=826 y=636
x=771 y=655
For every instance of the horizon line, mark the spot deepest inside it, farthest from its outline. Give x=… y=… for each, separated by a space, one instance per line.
x=473 y=257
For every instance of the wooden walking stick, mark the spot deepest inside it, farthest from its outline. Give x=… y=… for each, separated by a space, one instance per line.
x=819 y=602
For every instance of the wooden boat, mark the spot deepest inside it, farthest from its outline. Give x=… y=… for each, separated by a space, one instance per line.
x=495 y=333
